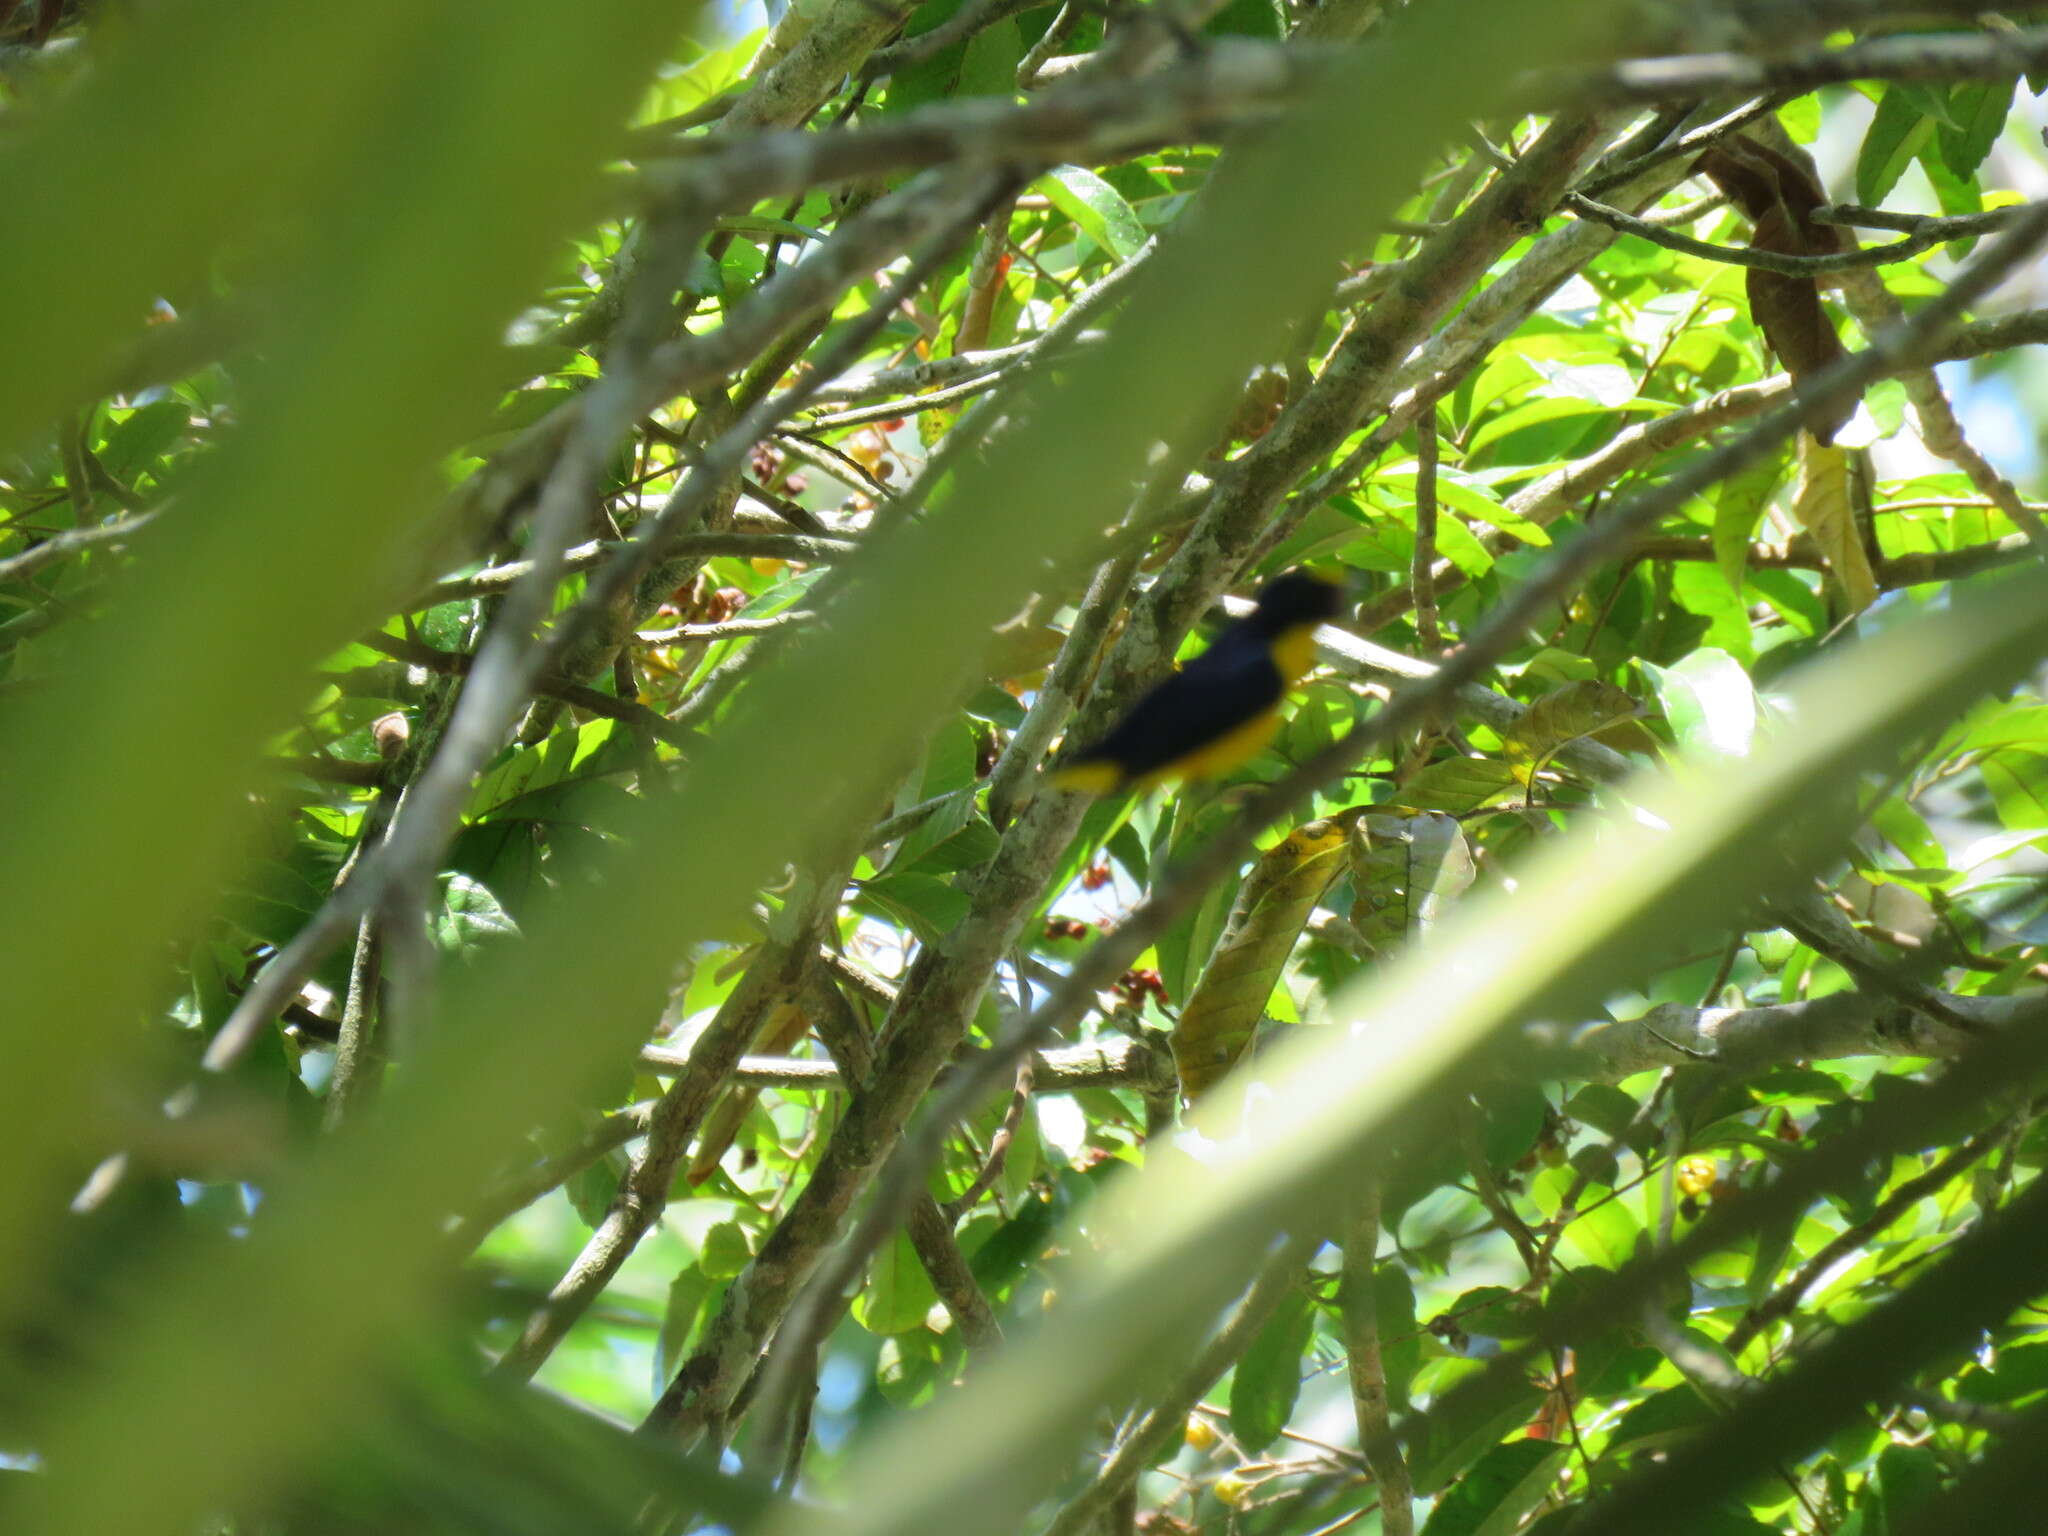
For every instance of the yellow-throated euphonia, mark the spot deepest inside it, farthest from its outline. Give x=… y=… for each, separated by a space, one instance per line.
x=1221 y=708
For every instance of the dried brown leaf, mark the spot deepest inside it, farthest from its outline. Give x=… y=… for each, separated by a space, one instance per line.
x=1779 y=196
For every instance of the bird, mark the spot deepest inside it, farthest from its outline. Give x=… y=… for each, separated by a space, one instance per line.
x=1219 y=710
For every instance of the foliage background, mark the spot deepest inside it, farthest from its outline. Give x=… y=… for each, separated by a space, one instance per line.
x=542 y=551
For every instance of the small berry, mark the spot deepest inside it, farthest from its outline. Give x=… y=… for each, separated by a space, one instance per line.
x=1231 y=1490
x=1696 y=1176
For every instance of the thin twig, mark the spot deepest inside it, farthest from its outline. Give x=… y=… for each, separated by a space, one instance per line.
x=998 y=1147
x=725 y=629
x=1358 y=1301
x=1703 y=137
x=1422 y=566
x=1915 y=244
x=909 y=406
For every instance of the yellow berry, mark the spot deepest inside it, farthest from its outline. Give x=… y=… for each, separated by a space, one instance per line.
x=1201 y=1434
x=1696 y=1176
x=1231 y=1489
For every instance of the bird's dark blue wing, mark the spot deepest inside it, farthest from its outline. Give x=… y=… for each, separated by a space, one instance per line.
x=1232 y=682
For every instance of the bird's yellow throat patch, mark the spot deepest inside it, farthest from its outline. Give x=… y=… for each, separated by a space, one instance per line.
x=1294 y=653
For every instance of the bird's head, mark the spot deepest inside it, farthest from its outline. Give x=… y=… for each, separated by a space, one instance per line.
x=1298 y=598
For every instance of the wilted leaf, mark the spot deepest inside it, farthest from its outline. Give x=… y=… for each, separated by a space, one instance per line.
x=1459 y=784
x=1825 y=507
x=1224 y=1012
x=1405 y=870
x=1779 y=195
x=1789 y=313
x=1564 y=715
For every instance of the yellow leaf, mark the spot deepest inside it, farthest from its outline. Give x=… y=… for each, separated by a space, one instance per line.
x=1826 y=509
x=1223 y=1012
x=779 y=1032
x=1563 y=715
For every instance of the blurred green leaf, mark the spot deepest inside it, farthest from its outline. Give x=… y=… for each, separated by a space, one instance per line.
x=1097 y=207
x=1267 y=1381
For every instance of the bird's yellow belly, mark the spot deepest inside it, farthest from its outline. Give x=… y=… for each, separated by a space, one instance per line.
x=1234 y=747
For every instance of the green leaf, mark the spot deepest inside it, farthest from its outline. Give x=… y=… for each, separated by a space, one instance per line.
x=1268 y=1379
x=1097 y=207
x=1606 y=1108
x=688 y=1295
x=988 y=66
x=1246 y=18
x=1895 y=136
x=1465 y=1425
x=1664 y=1417
x=725 y=1250
x=1801 y=117
x=1957 y=195
x=929 y=79
x=134 y=444
x=1739 y=502
x=1553 y=667
x=939 y=826
x=468 y=916
x=1709 y=701
x=1979 y=108
x=2018 y=1372
x=899 y=1294
x=1604 y=1234
x=1014 y=1245
x=1500 y=1492
x=1773 y=1244
x=764 y=224
x=923 y=904
x=1400 y=1338
x=589 y=751
x=913 y=1363
x=1908 y=1478
x=969 y=847
x=591 y=1191
x=1185 y=948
